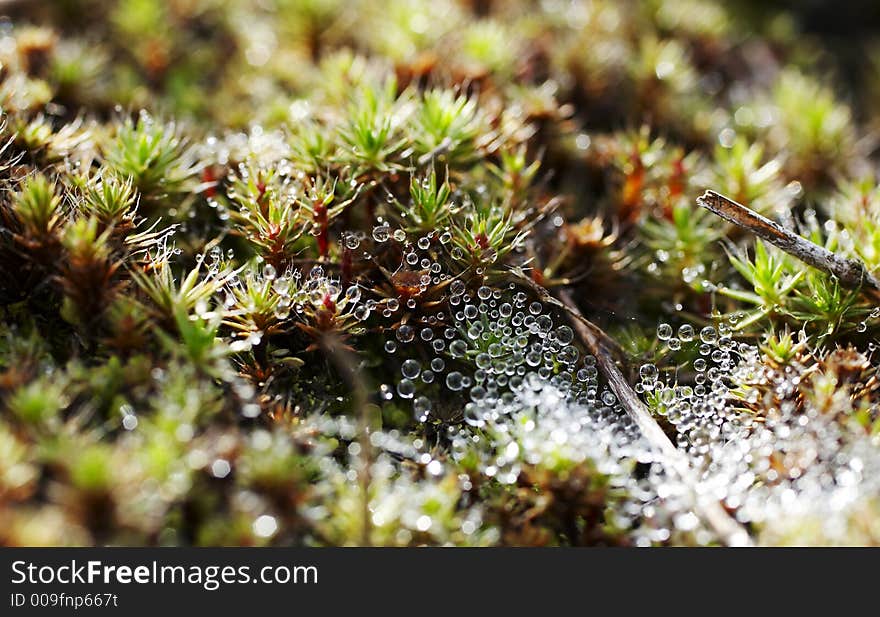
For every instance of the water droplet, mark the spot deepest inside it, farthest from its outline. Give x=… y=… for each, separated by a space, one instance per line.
x=265 y=526
x=381 y=233
x=421 y=406
x=664 y=331
x=458 y=348
x=648 y=372
x=405 y=334
x=708 y=335
x=454 y=381
x=411 y=368
x=686 y=333
x=406 y=388
x=564 y=335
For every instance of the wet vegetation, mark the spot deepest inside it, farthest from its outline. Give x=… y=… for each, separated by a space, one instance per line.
x=301 y=272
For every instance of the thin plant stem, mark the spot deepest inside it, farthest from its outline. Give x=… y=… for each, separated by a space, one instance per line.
x=710 y=510
x=604 y=348
x=346 y=363
x=852 y=273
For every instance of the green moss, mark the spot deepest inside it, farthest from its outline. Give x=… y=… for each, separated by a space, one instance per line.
x=260 y=264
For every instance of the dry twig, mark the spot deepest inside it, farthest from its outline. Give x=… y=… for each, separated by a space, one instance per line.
x=728 y=529
x=604 y=348
x=852 y=273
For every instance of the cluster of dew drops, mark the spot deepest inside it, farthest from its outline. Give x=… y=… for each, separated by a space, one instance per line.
x=528 y=394
x=482 y=345
x=485 y=348
x=526 y=391
x=786 y=462
x=528 y=397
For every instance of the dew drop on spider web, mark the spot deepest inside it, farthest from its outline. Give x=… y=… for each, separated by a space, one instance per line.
x=381 y=233
x=406 y=388
x=664 y=332
x=708 y=335
x=458 y=348
x=411 y=368
x=454 y=381
x=564 y=335
x=405 y=334
x=686 y=333
x=421 y=407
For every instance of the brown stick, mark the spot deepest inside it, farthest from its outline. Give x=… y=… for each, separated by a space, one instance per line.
x=603 y=347
x=852 y=273
x=728 y=529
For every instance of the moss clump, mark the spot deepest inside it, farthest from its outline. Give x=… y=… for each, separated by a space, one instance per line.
x=273 y=273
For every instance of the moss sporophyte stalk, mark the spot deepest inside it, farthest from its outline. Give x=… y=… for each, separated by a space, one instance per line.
x=435 y=273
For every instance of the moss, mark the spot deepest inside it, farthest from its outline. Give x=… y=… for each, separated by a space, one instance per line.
x=268 y=272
